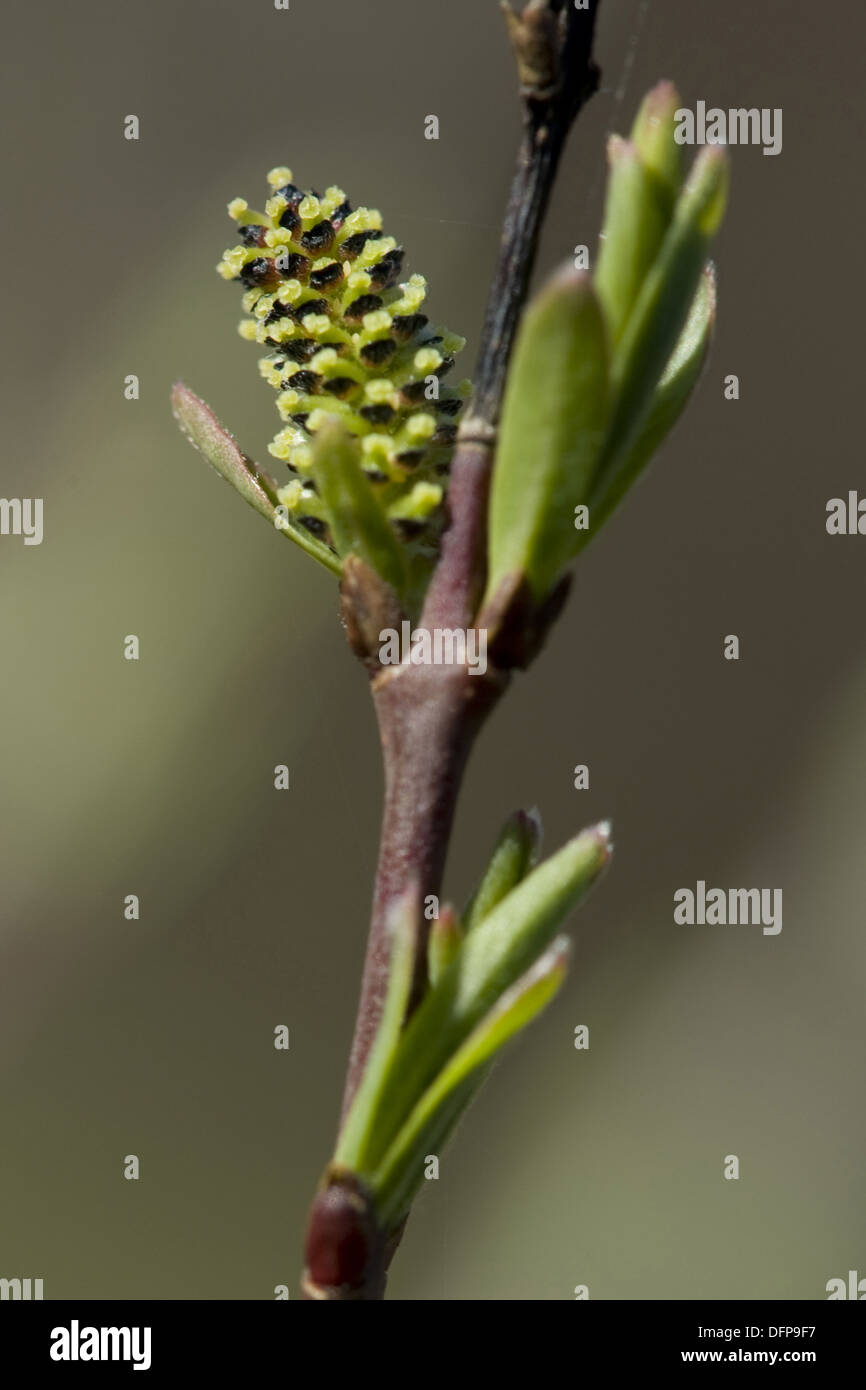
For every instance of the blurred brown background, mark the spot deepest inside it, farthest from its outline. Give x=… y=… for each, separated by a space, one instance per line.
x=156 y=777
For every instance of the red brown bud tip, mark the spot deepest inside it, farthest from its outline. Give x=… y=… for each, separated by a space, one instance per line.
x=343 y=1246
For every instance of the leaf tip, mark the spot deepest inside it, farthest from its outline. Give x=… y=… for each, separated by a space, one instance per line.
x=534 y=831
x=602 y=832
x=661 y=100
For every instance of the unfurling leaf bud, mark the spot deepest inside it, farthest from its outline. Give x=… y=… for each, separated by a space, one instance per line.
x=490 y=960
x=602 y=367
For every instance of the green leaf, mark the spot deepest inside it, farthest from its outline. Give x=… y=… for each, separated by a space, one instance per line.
x=445 y=940
x=514 y=854
x=653 y=136
x=358 y=521
x=403 y=922
x=663 y=305
x=635 y=221
x=554 y=419
x=258 y=488
x=669 y=401
x=643 y=184
x=493 y=956
x=395 y=1183
x=401 y=1171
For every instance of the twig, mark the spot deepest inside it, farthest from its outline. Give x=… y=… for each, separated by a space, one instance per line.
x=429 y=716
x=553 y=47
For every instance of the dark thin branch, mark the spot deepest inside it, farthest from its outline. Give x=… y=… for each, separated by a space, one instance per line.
x=554 y=56
x=553 y=45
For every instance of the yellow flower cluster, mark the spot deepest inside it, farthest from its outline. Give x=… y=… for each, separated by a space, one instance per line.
x=345 y=339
